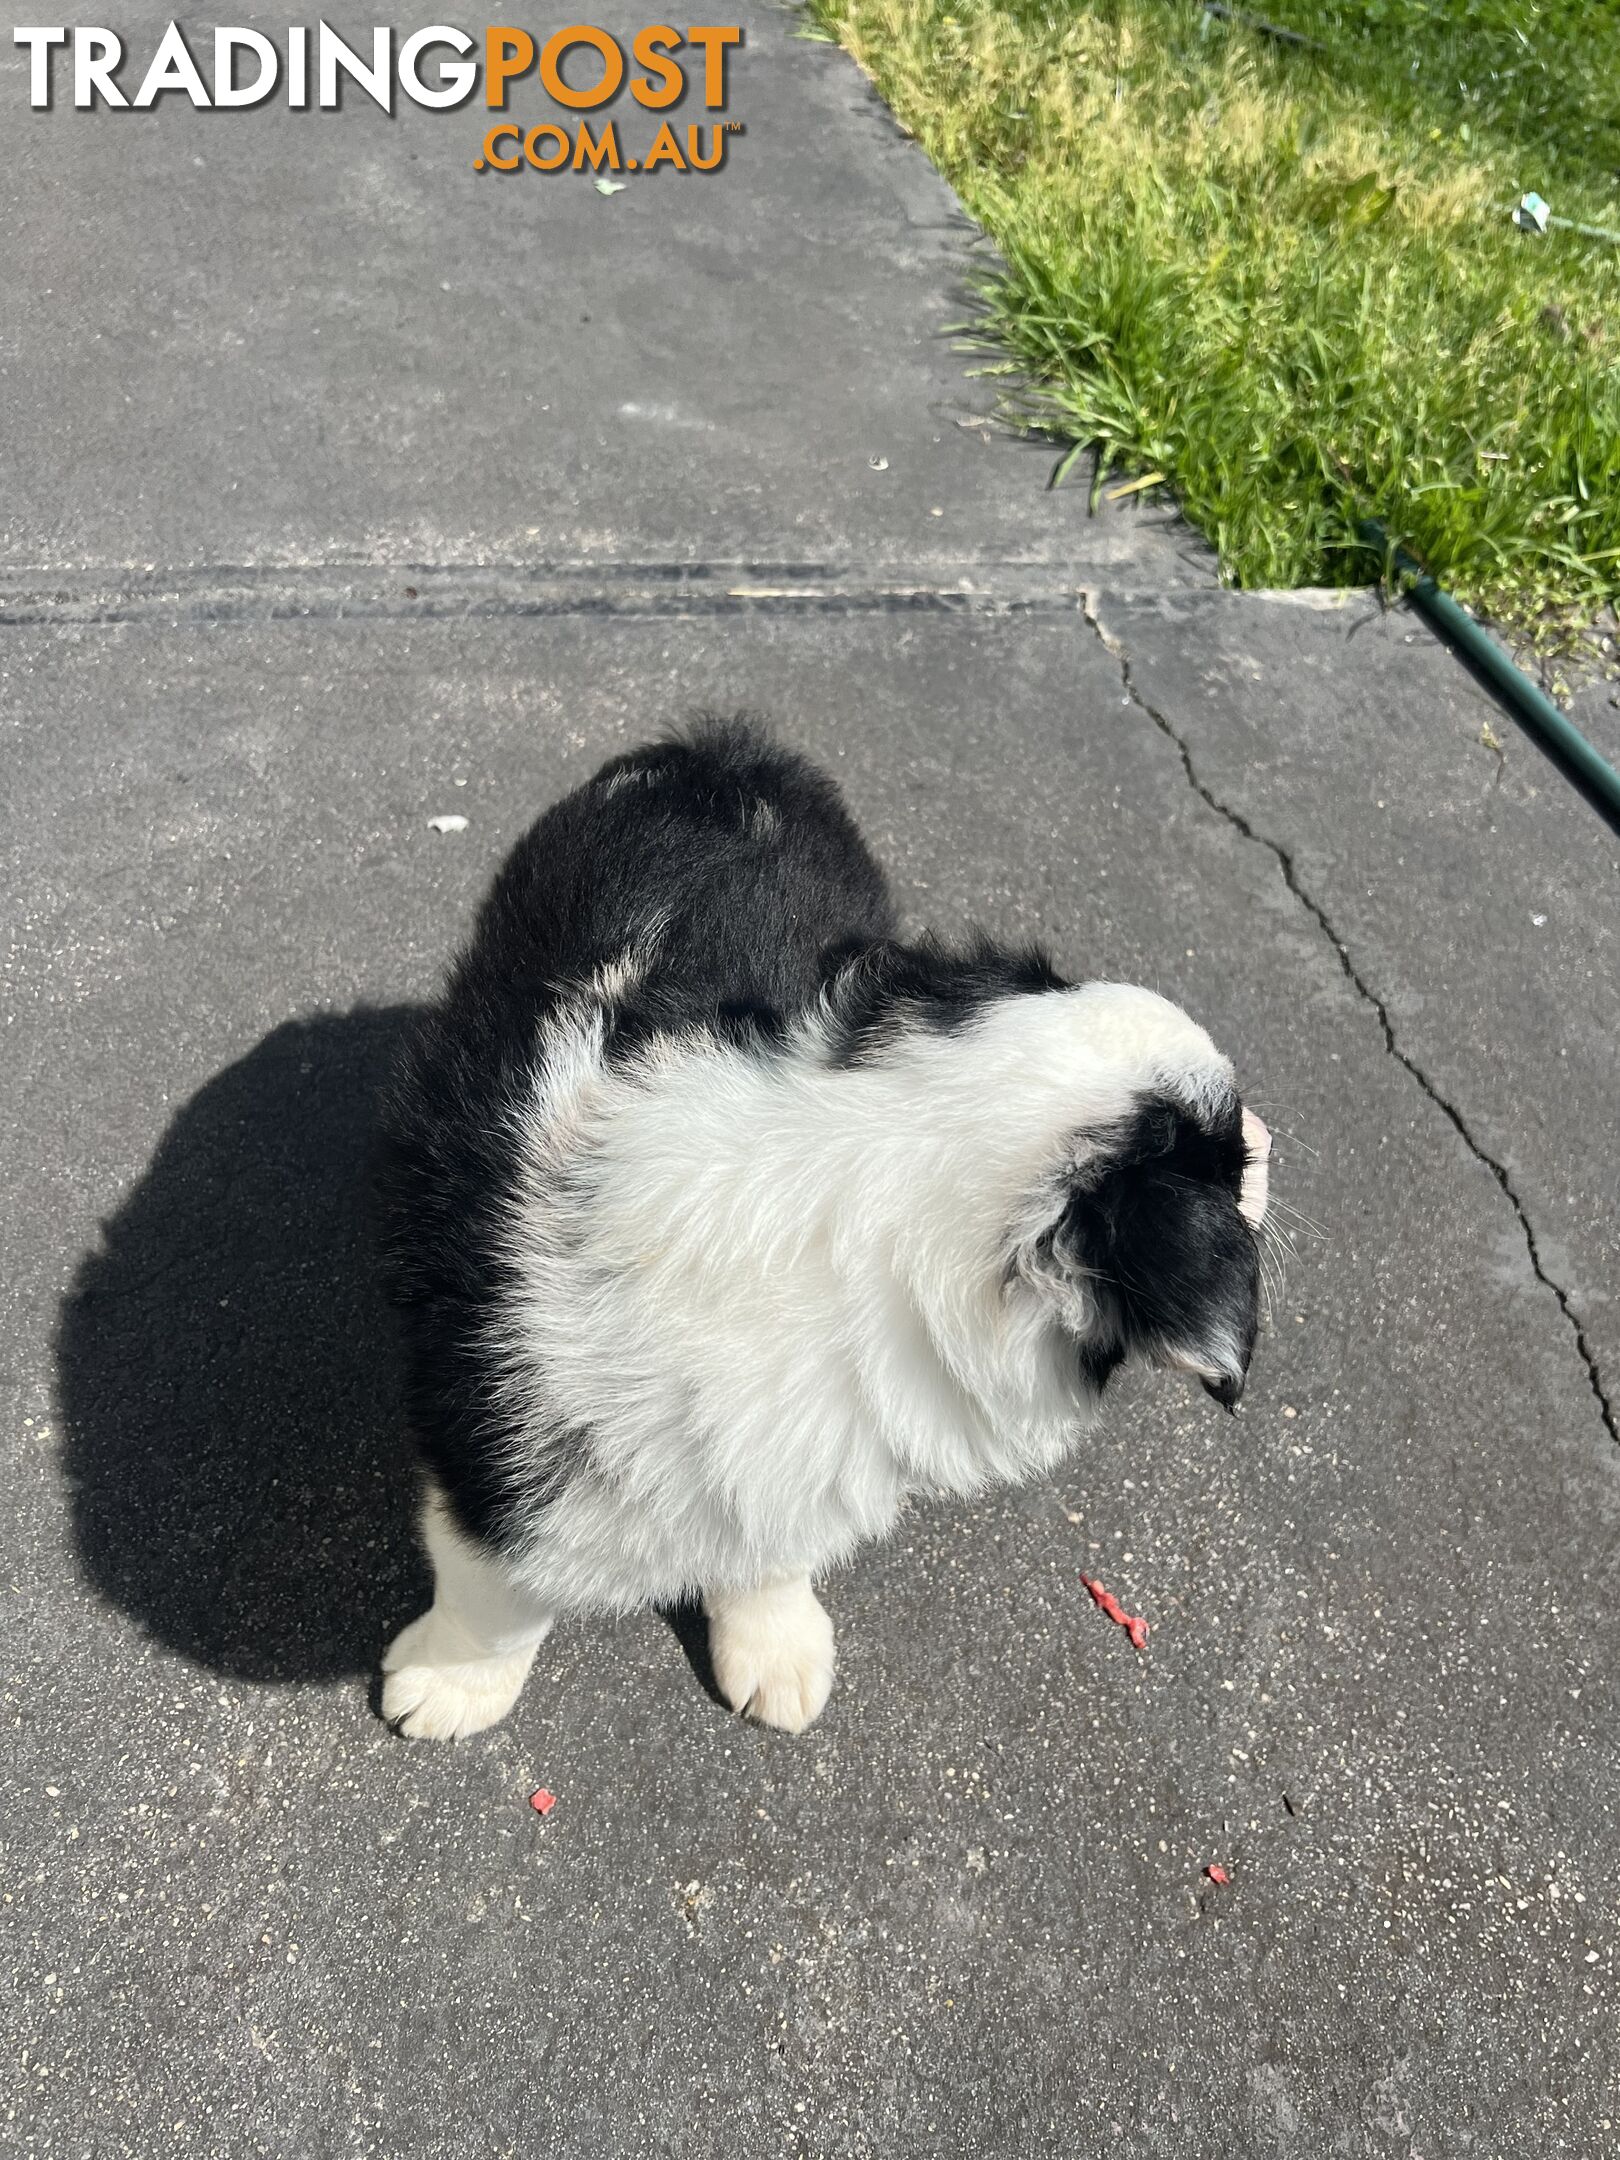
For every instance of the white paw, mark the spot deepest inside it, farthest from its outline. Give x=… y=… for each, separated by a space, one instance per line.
x=434 y=1690
x=773 y=1654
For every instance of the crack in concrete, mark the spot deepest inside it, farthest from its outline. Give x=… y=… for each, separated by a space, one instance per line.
x=1115 y=647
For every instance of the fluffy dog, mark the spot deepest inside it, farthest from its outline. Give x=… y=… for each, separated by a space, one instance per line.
x=722 y=1220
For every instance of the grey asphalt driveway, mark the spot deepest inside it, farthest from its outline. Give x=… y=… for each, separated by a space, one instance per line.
x=345 y=489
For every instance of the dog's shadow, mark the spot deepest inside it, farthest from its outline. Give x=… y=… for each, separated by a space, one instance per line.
x=228 y=1374
x=229 y=1377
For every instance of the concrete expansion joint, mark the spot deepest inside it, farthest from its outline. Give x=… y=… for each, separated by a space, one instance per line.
x=222 y=596
x=1318 y=914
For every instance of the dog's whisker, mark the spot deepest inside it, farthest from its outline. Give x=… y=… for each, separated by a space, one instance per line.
x=1306 y=1223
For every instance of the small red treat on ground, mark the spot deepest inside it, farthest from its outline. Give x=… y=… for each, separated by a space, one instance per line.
x=1135 y=1627
x=1216 y=1873
x=542 y=1801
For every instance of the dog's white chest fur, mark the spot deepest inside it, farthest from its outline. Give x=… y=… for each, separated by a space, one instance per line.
x=764 y=1302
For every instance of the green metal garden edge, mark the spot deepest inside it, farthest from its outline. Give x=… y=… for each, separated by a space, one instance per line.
x=1527 y=700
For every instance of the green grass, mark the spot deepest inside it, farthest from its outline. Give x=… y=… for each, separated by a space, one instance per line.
x=1284 y=279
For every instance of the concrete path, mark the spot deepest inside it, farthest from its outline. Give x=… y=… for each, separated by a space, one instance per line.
x=346 y=487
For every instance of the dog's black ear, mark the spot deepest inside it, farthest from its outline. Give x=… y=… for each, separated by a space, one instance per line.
x=1154 y=1227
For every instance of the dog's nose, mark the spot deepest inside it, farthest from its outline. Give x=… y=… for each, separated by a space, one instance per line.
x=1227 y=1391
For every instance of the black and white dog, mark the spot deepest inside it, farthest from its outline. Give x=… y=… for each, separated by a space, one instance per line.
x=722 y=1220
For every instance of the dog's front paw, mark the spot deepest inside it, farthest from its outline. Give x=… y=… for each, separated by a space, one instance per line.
x=772 y=1651
x=433 y=1689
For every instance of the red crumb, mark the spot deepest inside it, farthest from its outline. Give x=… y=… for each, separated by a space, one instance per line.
x=1135 y=1628
x=1216 y=1873
x=542 y=1801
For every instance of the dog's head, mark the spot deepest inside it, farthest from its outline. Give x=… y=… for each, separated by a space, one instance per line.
x=1090 y=1138
x=1144 y=1241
